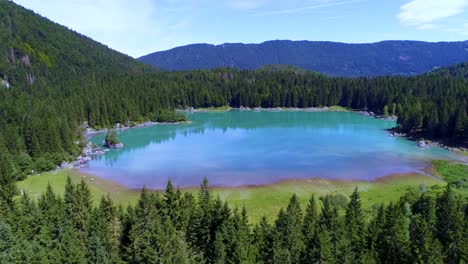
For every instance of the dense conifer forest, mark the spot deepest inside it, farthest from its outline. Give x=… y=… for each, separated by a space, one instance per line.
x=176 y=227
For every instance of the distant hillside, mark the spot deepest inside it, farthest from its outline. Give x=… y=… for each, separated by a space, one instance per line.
x=283 y=68
x=457 y=71
x=331 y=58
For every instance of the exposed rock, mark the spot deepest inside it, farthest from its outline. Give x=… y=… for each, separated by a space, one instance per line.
x=421 y=143
x=30 y=78
x=365 y=113
x=396 y=134
x=26 y=61
x=4 y=83
x=390 y=118
x=316 y=109
x=85 y=125
x=89 y=152
x=12 y=55
x=113 y=146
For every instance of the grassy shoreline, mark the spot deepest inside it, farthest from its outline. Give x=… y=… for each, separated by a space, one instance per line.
x=260 y=200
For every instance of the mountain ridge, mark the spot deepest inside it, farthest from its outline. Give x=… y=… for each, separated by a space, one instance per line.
x=384 y=58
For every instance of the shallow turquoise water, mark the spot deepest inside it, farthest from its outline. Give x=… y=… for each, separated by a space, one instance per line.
x=240 y=148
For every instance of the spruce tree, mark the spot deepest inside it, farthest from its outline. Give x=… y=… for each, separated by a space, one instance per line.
x=310 y=218
x=289 y=228
x=354 y=225
x=7 y=179
x=171 y=205
x=320 y=249
x=393 y=242
x=330 y=222
x=425 y=247
x=450 y=226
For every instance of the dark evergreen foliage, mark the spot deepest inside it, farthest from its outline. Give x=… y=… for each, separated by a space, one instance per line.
x=158 y=229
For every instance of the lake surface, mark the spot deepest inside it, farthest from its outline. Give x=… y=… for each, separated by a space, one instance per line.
x=239 y=148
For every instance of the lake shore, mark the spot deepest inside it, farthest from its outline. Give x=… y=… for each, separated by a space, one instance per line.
x=460 y=150
x=90 y=150
x=258 y=200
x=269 y=109
x=394 y=132
x=89 y=132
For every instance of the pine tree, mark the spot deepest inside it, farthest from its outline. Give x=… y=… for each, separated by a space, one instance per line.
x=243 y=251
x=330 y=222
x=127 y=222
x=171 y=205
x=6 y=242
x=7 y=179
x=320 y=249
x=187 y=205
x=355 y=226
x=219 y=252
x=289 y=228
x=309 y=231
x=450 y=227
x=393 y=242
x=425 y=247
x=77 y=201
x=199 y=228
x=374 y=231
x=144 y=234
x=264 y=241
x=310 y=218
x=104 y=233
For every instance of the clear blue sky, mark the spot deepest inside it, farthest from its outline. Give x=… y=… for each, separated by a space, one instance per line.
x=138 y=27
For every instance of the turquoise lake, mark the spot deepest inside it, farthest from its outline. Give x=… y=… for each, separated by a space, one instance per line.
x=240 y=148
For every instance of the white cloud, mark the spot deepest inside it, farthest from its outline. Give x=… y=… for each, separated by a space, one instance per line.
x=422 y=13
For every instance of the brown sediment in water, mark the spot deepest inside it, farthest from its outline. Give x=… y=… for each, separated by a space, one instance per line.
x=105 y=185
x=109 y=186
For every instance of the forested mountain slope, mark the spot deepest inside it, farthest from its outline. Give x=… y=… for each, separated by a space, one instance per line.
x=32 y=47
x=330 y=58
x=51 y=81
x=456 y=71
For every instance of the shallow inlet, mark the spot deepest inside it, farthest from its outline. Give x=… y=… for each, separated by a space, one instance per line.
x=245 y=148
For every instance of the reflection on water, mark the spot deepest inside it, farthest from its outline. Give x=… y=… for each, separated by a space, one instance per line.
x=249 y=148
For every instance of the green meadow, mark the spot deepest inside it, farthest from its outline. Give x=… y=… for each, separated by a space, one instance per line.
x=259 y=201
